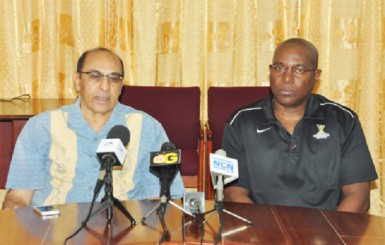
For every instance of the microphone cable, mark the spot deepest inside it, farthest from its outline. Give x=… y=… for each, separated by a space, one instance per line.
x=24 y=97
x=220 y=216
x=201 y=226
x=219 y=206
x=198 y=217
x=183 y=224
x=196 y=220
x=166 y=232
x=98 y=187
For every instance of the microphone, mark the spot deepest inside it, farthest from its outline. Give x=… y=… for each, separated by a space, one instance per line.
x=164 y=164
x=223 y=170
x=112 y=151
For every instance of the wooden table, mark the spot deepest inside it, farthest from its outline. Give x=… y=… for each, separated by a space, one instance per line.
x=272 y=225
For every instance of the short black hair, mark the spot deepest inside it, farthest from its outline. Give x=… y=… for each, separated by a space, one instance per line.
x=82 y=58
x=301 y=42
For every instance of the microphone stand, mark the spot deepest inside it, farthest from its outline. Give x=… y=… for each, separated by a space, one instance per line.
x=108 y=200
x=165 y=177
x=219 y=207
x=161 y=210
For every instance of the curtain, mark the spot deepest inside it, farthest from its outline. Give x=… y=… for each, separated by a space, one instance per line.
x=202 y=43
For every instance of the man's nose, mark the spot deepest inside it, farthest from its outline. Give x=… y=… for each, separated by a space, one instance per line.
x=105 y=83
x=288 y=75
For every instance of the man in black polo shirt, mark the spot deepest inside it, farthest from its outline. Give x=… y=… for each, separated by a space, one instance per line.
x=297 y=148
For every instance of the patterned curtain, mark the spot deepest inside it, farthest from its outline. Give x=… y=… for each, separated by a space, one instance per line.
x=201 y=43
x=351 y=41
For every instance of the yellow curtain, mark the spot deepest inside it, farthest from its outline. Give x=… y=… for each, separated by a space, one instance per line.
x=201 y=43
x=350 y=37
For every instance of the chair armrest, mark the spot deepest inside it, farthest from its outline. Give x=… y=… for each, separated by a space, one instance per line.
x=201 y=159
x=209 y=137
x=209 y=191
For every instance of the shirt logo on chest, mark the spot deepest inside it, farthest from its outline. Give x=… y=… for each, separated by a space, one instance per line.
x=321 y=133
x=262 y=130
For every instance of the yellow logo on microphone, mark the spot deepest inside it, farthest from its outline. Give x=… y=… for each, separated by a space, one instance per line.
x=165 y=157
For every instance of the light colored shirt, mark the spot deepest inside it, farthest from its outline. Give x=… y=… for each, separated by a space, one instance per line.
x=55 y=155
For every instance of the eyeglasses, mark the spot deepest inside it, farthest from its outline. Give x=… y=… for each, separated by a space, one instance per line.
x=97 y=77
x=298 y=70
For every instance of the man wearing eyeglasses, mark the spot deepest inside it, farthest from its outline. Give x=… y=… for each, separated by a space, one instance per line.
x=55 y=158
x=297 y=148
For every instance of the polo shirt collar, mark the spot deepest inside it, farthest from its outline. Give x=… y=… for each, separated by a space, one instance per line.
x=269 y=111
x=312 y=110
x=79 y=123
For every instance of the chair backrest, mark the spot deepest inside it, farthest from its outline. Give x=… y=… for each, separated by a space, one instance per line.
x=223 y=101
x=178 y=110
x=9 y=132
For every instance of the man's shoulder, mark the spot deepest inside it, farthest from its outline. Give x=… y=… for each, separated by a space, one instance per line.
x=147 y=120
x=334 y=114
x=41 y=118
x=254 y=111
x=44 y=119
x=332 y=108
x=128 y=110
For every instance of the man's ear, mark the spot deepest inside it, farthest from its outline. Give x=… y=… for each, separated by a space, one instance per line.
x=316 y=79
x=76 y=79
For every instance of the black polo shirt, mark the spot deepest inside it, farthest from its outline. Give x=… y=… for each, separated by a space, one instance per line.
x=308 y=168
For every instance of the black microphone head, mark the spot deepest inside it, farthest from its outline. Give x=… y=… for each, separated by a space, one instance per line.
x=167 y=146
x=119 y=132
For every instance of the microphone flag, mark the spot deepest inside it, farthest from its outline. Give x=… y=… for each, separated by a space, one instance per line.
x=165 y=158
x=113 y=148
x=222 y=165
x=164 y=164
